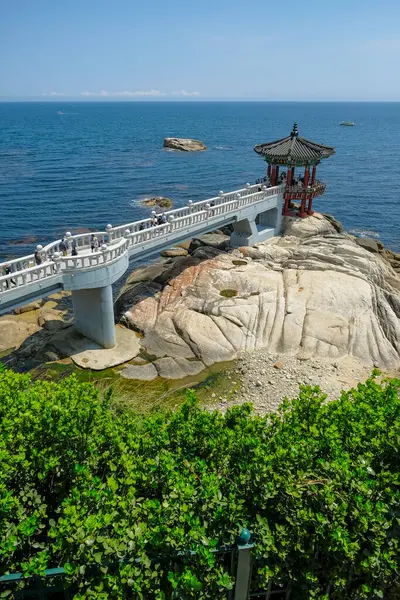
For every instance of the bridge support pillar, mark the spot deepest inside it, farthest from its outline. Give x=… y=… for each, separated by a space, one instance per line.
x=258 y=228
x=94 y=315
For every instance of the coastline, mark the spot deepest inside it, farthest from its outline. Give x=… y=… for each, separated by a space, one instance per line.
x=262 y=376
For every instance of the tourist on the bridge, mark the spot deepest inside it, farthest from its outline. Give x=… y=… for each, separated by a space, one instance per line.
x=38 y=258
x=159 y=220
x=163 y=219
x=63 y=247
x=92 y=242
x=7 y=271
x=154 y=220
x=141 y=226
x=96 y=244
x=74 y=251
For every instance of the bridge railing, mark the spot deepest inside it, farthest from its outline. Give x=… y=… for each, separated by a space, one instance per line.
x=176 y=213
x=118 y=240
x=100 y=257
x=30 y=275
x=192 y=218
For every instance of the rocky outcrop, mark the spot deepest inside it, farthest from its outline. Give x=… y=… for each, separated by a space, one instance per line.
x=173 y=252
x=312 y=293
x=184 y=145
x=159 y=201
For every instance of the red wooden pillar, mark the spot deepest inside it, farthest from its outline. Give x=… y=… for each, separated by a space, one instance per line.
x=273 y=175
x=306 y=176
x=286 y=211
x=269 y=170
x=302 y=212
x=310 y=210
x=289 y=177
x=314 y=174
x=287 y=196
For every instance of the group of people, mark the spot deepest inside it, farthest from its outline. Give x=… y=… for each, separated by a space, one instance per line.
x=63 y=246
x=154 y=221
x=299 y=181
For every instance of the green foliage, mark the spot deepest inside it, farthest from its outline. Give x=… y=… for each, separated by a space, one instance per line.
x=91 y=489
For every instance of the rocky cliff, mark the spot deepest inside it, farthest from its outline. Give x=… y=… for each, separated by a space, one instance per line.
x=313 y=292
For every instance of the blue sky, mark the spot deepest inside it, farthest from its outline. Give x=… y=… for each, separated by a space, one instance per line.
x=209 y=49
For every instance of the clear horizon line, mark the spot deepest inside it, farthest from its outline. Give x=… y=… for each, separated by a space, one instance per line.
x=93 y=100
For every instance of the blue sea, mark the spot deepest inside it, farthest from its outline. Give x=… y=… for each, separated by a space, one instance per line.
x=78 y=166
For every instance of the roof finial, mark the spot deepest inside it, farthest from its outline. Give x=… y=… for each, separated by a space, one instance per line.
x=295 y=131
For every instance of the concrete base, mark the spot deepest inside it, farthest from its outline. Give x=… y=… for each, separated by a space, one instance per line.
x=94 y=315
x=89 y=355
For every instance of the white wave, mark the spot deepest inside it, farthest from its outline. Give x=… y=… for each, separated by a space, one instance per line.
x=365 y=233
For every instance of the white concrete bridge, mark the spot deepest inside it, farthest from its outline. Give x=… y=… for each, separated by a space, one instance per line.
x=255 y=212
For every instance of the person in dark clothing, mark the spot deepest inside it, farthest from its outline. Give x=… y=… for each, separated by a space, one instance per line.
x=74 y=251
x=7 y=271
x=38 y=258
x=63 y=247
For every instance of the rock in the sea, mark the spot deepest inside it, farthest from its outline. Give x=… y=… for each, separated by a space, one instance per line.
x=172 y=252
x=184 y=145
x=311 y=293
x=159 y=201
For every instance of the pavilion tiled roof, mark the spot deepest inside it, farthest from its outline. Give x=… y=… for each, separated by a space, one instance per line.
x=294 y=149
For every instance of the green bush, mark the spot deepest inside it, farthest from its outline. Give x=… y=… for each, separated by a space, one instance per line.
x=91 y=489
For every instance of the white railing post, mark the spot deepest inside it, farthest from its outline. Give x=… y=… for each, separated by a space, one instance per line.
x=109 y=232
x=104 y=249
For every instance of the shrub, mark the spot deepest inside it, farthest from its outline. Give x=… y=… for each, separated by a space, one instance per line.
x=90 y=489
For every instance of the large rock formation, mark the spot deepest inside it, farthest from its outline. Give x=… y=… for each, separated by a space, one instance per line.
x=184 y=145
x=312 y=293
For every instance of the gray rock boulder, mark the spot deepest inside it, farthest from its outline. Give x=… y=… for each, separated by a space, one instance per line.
x=140 y=372
x=177 y=368
x=173 y=252
x=184 y=144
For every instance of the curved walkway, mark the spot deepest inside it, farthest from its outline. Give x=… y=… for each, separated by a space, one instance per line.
x=128 y=240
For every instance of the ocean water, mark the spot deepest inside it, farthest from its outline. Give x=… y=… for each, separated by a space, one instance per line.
x=95 y=162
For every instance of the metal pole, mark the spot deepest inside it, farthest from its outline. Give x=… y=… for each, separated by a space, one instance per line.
x=243 y=572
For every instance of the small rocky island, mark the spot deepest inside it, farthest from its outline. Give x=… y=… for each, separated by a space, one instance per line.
x=184 y=145
x=159 y=201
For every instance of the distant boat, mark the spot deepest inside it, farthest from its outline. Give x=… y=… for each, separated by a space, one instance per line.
x=347 y=123
x=60 y=112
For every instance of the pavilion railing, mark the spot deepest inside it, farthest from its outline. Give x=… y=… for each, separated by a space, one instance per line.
x=296 y=192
